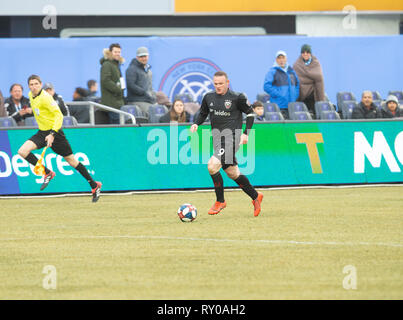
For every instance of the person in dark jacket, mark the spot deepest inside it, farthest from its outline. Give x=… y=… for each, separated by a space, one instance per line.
x=58 y=98
x=17 y=106
x=112 y=82
x=176 y=113
x=282 y=83
x=139 y=81
x=366 y=109
x=391 y=108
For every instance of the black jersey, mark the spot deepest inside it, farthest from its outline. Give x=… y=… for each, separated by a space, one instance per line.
x=225 y=110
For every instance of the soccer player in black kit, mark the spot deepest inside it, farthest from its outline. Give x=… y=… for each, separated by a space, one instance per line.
x=225 y=108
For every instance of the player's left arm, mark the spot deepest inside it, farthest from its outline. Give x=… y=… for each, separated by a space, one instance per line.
x=250 y=118
x=57 y=115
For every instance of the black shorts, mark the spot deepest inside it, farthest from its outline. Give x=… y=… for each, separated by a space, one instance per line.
x=60 y=144
x=225 y=150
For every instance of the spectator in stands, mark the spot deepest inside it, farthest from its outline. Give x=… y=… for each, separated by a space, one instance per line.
x=258 y=108
x=366 y=108
x=310 y=75
x=112 y=82
x=48 y=87
x=139 y=81
x=176 y=113
x=80 y=112
x=18 y=106
x=281 y=83
x=2 y=109
x=392 y=108
x=92 y=91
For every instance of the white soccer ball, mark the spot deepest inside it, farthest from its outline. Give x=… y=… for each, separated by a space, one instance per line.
x=187 y=212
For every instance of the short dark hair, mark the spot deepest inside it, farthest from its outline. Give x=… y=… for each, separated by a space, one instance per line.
x=221 y=74
x=257 y=104
x=34 y=77
x=91 y=83
x=82 y=92
x=16 y=84
x=114 y=45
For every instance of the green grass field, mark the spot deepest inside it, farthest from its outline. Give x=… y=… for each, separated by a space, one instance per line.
x=135 y=247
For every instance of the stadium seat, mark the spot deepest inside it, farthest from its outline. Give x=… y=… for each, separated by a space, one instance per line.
x=344 y=96
x=136 y=112
x=263 y=97
x=296 y=107
x=30 y=122
x=155 y=112
x=185 y=97
x=322 y=106
x=376 y=95
x=6 y=122
x=69 y=121
x=273 y=116
x=378 y=104
x=397 y=94
x=300 y=115
x=329 y=115
x=347 y=108
x=271 y=107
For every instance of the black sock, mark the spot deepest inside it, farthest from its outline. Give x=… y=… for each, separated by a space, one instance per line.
x=32 y=159
x=84 y=172
x=245 y=185
x=218 y=186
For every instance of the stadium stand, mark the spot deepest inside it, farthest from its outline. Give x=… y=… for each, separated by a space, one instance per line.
x=298 y=106
x=271 y=107
x=136 y=111
x=376 y=95
x=31 y=122
x=329 y=115
x=323 y=106
x=300 y=115
x=69 y=121
x=6 y=122
x=344 y=96
x=273 y=116
x=347 y=108
x=263 y=97
x=155 y=112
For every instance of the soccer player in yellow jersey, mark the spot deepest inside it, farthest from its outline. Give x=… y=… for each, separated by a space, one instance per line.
x=50 y=119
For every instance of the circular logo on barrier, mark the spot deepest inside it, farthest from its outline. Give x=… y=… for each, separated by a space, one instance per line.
x=192 y=76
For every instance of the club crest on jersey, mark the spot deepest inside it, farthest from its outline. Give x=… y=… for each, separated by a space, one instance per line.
x=227 y=104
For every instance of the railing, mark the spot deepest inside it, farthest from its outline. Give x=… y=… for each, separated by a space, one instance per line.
x=92 y=105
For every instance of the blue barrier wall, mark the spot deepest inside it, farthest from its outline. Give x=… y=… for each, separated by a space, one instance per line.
x=349 y=63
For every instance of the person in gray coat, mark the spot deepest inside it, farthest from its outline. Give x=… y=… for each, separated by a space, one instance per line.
x=139 y=81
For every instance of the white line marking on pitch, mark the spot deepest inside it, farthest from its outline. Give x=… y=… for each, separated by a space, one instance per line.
x=265 y=241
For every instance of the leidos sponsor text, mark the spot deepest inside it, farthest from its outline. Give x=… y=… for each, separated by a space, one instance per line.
x=22 y=168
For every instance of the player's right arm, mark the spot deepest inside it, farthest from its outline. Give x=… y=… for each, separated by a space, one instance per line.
x=204 y=111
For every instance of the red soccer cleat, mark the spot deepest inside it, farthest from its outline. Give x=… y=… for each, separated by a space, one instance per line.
x=217 y=207
x=47 y=178
x=96 y=192
x=257 y=204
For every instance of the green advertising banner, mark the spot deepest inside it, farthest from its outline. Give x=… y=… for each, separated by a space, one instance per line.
x=171 y=157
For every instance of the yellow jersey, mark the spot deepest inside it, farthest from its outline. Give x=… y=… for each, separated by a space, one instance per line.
x=46 y=111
